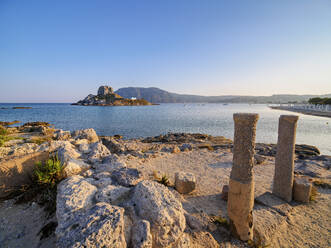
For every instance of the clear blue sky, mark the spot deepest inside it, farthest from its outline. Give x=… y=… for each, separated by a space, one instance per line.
x=60 y=51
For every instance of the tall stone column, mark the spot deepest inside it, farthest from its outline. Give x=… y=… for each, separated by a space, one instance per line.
x=284 y=164
x=241 y=185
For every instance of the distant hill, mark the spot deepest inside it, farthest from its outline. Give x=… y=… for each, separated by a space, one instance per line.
x=156 y=95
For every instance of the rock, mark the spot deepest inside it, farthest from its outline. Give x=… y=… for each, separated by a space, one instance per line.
x=73 y=194
x=109 y=167
x=141 y=235
x=104 y=174
x=225 y=192
x=43 y=147
x=186 y=147
x=84 y=148
x=107 y=97
x=80 y=141
x=127 y=177
x=259 y=159
x=55 y=145
x=113 y=145
x=61 y=135
x=193 y=222
x=102 y=183
x=23 y=149
x=175 y=149
x=301 y=189
x=98 y=152
x=105 y=90
x=67 y=152
x=112 y=194
x=155 y=203
x=74 y=167
x=100 y=226
x=88 y=134
x=185 y=182
x=88 y=173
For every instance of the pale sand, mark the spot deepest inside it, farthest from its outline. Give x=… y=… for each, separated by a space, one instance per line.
x=308 y=225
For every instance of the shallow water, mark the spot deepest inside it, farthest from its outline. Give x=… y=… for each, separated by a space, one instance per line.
x=143 y=121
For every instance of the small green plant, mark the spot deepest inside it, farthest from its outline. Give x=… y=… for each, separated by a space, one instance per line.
x=222 y=221
x=164 y=180
x=3 y=131
x=252 y=244
x=50 y=172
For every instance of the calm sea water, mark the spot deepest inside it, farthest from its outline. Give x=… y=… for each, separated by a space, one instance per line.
x=143 y=121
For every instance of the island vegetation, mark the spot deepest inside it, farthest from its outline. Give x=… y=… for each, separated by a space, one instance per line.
x=319 y=100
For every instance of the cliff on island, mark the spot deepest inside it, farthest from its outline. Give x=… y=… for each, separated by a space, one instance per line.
x=107 y=97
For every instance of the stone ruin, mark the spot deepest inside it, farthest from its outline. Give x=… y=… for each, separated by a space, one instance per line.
x=284 y=164
x=241 y=184
x=241 y=193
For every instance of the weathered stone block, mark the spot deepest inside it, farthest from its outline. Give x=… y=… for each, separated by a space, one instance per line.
x=185 y=182
x=284 y=162
x=302 y=190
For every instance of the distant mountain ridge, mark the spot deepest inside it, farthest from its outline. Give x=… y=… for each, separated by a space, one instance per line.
x=156 y=95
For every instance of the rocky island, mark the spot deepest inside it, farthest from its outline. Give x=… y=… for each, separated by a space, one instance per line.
x=107 y=97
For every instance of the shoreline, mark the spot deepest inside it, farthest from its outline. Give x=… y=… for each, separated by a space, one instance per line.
x=305 y=112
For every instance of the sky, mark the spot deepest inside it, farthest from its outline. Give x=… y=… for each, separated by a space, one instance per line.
x=61 y=51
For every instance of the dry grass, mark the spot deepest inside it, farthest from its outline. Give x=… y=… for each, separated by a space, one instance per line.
x=209 y=147
x=322 y=184
x=314 y=194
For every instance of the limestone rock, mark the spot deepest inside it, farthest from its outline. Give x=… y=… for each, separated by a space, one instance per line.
x=186 y=147
x=100 y=226
x=23 y=149
x=102 y=183
x=61 y=135
x=84 y=148
x=302 y=189
x=112 y=194
x=67 y=152
x=175 y=149
x=73 y=194
x=55 y=145
x=113 y=145
x=141 y=235
x=259 y=159
x=185 y=182
x=88 y=134
x=155 y=203
x=105 y=90
x=98 y=152
x=74 y=167
x=127 y=177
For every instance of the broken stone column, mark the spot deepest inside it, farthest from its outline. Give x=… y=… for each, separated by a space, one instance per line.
x=241 y=185
x=284 y=163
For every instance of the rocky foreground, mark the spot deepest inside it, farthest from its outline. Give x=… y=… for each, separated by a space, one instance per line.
x=107 y=97
x=163 y=191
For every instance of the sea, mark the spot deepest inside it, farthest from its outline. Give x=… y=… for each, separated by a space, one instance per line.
x=144 y=121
